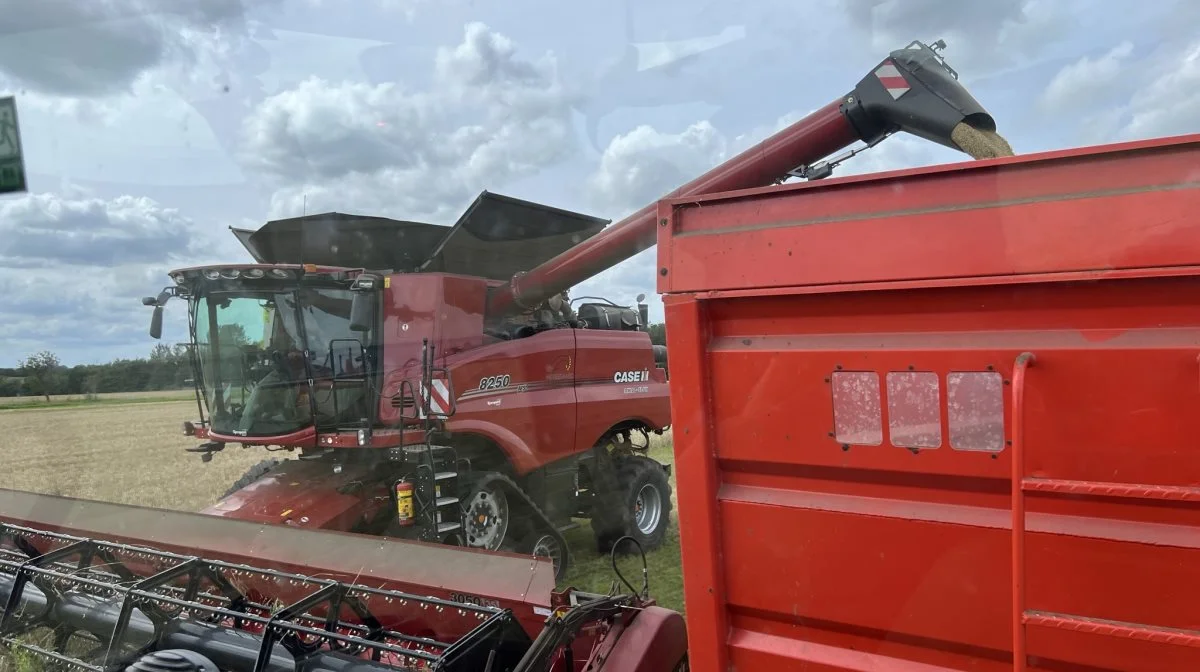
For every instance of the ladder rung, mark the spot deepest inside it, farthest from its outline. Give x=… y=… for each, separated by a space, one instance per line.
x=1122 y=629
x=448 y=527
x=1178 y=493
x=443 y=475
x=446 y=501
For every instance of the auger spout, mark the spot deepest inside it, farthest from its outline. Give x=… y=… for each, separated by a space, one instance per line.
x=912 y=90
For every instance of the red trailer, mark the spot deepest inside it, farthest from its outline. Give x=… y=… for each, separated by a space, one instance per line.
x=929 y=418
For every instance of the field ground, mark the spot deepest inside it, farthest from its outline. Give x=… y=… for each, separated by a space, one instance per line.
x=130 y=449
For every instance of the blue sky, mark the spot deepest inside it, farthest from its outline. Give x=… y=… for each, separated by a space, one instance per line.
x=151 y=126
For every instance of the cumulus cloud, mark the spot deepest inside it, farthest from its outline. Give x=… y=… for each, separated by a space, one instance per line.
x=48 y=228
x=1086 y=82
x=1128 y=93
x=984 y=35
x=640 y=166
x=73 y=267
x=492 y=117
x=1170 y=103
x=100 y=47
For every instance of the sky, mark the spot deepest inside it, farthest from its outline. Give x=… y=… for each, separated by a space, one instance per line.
x=152 y=126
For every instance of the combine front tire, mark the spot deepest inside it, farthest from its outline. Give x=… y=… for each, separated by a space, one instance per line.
x=498 y=516
x=647 y=498
x=252 y=474
x=486 y=517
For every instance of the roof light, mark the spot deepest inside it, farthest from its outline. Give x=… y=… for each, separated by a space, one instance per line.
x=178 y=278
x=281 y=273
x=253 y=273
x=231 y=274
x=212 y=273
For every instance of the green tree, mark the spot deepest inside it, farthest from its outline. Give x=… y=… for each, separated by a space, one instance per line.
x=232 y=334
x=658 y=333
x=41 y=372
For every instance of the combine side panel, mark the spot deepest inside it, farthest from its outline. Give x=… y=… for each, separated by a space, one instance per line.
x=851 y=391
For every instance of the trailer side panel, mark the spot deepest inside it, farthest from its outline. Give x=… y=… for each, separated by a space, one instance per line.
x=942 y=434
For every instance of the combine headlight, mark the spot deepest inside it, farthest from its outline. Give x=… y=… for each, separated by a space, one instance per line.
x=231 y=274
x=254 y=273
x=178 y=278
x=281 y=273
x=212 y=274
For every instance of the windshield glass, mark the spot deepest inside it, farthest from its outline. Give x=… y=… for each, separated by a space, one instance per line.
x=257 y=352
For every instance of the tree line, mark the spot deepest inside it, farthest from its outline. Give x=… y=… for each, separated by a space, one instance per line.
x=42 y=374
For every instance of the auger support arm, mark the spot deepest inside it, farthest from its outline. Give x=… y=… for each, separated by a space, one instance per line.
x=912 y=90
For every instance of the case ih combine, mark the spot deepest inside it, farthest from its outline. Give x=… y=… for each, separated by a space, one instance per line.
x=929 y=420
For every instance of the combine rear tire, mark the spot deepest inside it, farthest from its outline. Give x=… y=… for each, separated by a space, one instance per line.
x=647 y=494
x=252 y=474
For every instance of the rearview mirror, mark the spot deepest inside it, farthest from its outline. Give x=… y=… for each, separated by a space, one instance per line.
x=362 y=311
x=156 y=322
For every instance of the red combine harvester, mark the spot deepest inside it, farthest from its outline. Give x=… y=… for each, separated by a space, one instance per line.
x=929 y=420
x=415 y=412
x=436 y=391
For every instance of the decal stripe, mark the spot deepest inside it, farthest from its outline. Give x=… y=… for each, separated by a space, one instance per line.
x=892 y=79
x=439 y=398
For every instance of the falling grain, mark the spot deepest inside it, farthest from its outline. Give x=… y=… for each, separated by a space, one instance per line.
x=980 y=144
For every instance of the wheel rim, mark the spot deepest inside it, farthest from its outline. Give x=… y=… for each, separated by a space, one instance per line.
x=547 y=547
x=647 y=509
x=486 y=519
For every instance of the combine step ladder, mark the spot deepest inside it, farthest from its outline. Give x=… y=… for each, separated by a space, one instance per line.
x=436 y=489
x=1021 y=484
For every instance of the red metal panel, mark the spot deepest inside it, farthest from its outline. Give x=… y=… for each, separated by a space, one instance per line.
x=700 y=533
x=304 y=494
x=831 y=546
x=656 y=641
x=603 y=402
x=532 y=418
x=516 y=582
x=1125 y=207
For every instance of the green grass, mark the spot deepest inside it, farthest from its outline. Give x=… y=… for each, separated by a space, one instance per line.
x=592 y=572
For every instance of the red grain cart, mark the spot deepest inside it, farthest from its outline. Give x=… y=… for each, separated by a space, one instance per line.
x=929 y=418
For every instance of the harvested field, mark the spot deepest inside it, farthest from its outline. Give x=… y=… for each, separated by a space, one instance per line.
x=133 y=453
